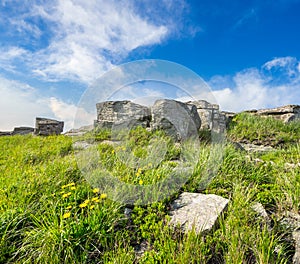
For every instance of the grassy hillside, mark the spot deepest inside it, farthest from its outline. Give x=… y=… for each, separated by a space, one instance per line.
x=50 y=214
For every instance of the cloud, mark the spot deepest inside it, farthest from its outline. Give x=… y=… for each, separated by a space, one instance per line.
x=79 y=40
x=259 y=88
x=20 y=104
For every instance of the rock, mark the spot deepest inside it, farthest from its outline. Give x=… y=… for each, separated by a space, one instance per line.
x=122 y=114
x=255 y=148
x=201 y=210
x=286 y=113
x=5 y=133
x=79 y=131
x=296 y=238
x=176 y=119
x=211 y=117
x=22 y=130
x=47 y=127
x=261 y=211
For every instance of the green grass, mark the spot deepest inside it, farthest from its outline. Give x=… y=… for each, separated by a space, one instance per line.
x=49 y=213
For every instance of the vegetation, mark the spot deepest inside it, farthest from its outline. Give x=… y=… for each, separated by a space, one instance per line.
x=49 y=213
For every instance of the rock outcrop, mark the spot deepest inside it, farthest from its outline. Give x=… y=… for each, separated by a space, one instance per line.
x=47 y=127
x=177 y=119
x=122 y=114
x=22 y=130
x=211 y=117
x=198 y=211
x=286 y=113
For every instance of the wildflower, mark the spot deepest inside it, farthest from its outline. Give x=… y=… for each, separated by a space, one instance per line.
x=92 y=206
x=94 y=199
x=69 y=207
x=96 y=190
x=139 y=171
x=83 y=205
x=73 y=188
x=103 y=196
x=113 y=151
x=64 y=186
x=87 y=201
x=66 y=215
x=141 y=182
x=65 y=195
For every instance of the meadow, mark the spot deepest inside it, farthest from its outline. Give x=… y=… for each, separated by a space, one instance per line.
x=50 y=213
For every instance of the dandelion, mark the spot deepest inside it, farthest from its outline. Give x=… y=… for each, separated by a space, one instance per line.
x=141 y=182
x=92 y=206
x=66 y=215
x=103 y=196
x=73 y=188
x=83 y=205
x=94 y=199
x=69 y=207
x=139 y=171
x=96 y=190
x=64 y=186
x=66 y=195
x=87 y=201
x=113 y=151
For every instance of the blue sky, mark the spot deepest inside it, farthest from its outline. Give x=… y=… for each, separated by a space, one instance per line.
x=52 y=51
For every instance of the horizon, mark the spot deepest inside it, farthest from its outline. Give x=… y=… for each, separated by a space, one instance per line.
x=51 y=52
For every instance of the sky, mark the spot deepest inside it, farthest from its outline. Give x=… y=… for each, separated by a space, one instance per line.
x=51 y=52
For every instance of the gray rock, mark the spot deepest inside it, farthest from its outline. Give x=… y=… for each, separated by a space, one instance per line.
x=122 y=114
x=198 y=210
x=296 y=238
x=22 y=130
x=255 y=148
x=285 y=113
x=211 y=117
x=47 y=127
x=175 y=118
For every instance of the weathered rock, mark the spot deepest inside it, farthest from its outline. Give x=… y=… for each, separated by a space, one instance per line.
x=255 y=148
x=198 y=210
x=79 y=131
x=211 y=117
x=123 y=114
x=22 y=130
x=47 y=127
x=175 y=118
x=296 y=238
x=286 y=113
x=5 y=133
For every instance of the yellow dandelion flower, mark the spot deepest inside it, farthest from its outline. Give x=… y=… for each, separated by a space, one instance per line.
x=141 y=182
x=66 y=195
x=87 y=201
x=73 y=188
x=103 y=196
x=83 y=205
x=113 y=151
x=96 y=190
x=71 y=184
x=62 y=192
x=69 y=207
x=92 y=206
x=66 y=215
x=95 y=199
x=64 y=186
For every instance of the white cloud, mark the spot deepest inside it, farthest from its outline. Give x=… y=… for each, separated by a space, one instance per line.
x=85 y=38
x=254 y=89
x=20 y=104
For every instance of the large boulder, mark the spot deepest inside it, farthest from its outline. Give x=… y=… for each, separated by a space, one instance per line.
x=47 y=127
x=198 y=211
x=124 y=114
x=177 y=119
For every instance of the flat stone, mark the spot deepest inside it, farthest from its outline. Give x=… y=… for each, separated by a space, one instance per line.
x=199 y=210
x=296 y=238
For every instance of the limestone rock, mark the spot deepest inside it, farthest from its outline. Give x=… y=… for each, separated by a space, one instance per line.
x=296 y=238
x=175 y=118
x=201 y=210
x=211 y=117
x=122 y=114
x=47 y=127
x=286 y=113
x=22 y=130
